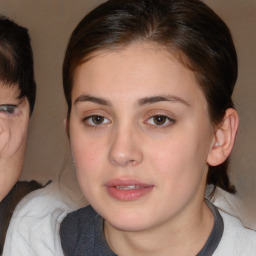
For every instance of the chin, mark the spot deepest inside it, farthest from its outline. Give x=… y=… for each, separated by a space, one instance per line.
x=129 y=226
x=129 y=222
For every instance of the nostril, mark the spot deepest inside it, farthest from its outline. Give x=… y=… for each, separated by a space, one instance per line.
x=124 y=150
x=123 y=162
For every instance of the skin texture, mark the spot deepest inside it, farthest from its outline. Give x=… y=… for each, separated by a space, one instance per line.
x=139 y=116
x=13 y=135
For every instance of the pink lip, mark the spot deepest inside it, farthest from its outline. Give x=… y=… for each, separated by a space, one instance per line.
x=127 y=189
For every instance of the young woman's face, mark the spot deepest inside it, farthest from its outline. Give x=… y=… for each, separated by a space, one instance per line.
x=14 y=118
x=140 y=135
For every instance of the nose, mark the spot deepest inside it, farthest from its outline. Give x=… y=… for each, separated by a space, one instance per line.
x=125 y=149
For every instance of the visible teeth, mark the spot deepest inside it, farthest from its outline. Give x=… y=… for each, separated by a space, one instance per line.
x=128 y=187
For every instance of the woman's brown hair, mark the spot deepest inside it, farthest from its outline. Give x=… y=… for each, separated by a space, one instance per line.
x=188 y=29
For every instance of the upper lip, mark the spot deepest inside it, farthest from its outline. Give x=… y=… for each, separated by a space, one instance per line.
x=127 y=182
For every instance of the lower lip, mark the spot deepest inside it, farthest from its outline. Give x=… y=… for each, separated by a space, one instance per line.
x=128 y=195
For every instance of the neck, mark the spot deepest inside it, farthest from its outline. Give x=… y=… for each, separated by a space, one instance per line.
x=181 y=235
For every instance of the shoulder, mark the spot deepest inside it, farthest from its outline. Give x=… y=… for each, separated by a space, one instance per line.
x=78 y=226
x=77 y=220
x=82 y=233
x=236 y=240
x=34 y=227
x=48 y=202
x=234 y=206
x=81 y=216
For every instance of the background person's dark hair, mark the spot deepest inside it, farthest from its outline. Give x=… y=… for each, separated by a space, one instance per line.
x=188 y=29
x=16 y=59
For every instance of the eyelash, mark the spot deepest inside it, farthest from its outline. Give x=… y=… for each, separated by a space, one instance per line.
x=90 y=121
x=167 y=121
x=8 y=108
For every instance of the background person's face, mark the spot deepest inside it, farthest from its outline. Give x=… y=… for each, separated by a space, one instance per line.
x=14 y=118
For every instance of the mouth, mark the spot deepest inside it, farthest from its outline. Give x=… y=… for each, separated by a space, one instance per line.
x=130 y=187
x=128 y=190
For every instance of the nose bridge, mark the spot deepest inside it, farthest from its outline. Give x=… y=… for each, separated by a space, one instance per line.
x=125 y=149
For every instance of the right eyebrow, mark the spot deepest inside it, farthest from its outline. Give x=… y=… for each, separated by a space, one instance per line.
x=85 y=98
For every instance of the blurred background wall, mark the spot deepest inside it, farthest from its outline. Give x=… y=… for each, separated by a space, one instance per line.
x=50 y=23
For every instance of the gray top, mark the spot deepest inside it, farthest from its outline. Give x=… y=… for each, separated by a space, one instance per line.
x=82 y=234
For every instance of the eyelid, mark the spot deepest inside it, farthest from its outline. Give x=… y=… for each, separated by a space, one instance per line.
x=8 y=108
x=169 y=117
x=91 y=124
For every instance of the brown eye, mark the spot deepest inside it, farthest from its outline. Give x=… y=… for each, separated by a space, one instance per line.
x=98 y=120
x=159 y=119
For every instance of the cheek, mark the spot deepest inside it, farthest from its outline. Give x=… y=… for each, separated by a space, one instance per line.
x=84 y=150
x=171 y=159
x=181 y=158
x=13 y=135
x=180 y=172
x=89 y=154
x=5 y=136
x=89 y=162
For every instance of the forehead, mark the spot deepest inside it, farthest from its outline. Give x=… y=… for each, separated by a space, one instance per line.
x=137 y=68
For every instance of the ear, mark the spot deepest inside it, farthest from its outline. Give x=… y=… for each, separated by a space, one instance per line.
x=224 y=138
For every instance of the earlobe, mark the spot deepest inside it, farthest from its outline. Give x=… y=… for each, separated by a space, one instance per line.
x=224 y=138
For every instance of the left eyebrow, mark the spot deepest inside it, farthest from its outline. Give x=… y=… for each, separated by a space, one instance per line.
x=155 y=99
